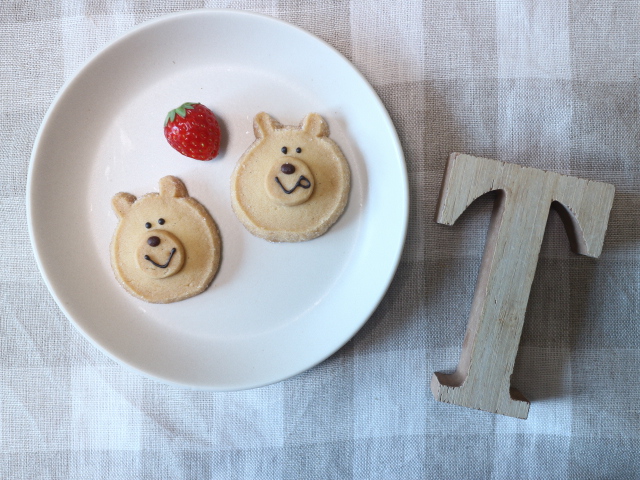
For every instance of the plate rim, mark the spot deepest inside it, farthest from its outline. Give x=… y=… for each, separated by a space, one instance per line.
x=152 y=23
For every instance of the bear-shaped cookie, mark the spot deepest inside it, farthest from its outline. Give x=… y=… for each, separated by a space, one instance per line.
x=166 y=247
x=292 y=183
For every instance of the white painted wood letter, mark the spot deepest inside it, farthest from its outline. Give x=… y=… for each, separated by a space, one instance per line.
x=482 y=379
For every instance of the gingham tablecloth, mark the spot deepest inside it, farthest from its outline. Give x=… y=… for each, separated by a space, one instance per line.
x=552 y=85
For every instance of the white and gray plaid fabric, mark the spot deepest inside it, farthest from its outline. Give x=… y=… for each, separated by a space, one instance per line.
x=551 y=85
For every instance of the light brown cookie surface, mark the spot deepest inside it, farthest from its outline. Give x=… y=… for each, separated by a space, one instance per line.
x=166 y=246
x=292 y=183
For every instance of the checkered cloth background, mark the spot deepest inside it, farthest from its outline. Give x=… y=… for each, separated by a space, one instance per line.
x=552 y=85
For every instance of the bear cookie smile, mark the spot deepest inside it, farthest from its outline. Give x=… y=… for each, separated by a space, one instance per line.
x=160 y=244
x=289 y=181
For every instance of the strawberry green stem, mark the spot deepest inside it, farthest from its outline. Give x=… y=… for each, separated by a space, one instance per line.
x=181 y=111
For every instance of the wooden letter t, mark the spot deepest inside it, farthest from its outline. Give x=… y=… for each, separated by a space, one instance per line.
x=482 y=379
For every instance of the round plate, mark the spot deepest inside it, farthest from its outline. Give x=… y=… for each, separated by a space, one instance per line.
x=273 y=310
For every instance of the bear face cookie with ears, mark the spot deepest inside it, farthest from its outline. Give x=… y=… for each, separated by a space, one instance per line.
x=292 y=183
x=166 y=246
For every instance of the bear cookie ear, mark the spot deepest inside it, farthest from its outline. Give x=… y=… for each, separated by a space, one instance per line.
x=315 y=125
x=121 y=203
x=264 y=124
x=171 y=186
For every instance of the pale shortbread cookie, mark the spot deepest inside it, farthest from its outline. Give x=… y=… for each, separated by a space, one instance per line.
x=292 y=183
x=166 y=246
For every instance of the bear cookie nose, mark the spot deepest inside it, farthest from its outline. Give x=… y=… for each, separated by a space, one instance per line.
x=287 y=168
x=153 y=241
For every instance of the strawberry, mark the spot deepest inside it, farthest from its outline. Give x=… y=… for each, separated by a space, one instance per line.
x=193 y=130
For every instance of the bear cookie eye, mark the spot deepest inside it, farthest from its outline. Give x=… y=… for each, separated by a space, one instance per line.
x=298 y=150
x=147 y=225
x=161 y=221
x=284 y=150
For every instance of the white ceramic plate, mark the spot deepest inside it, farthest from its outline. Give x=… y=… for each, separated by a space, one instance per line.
x=273 y=310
